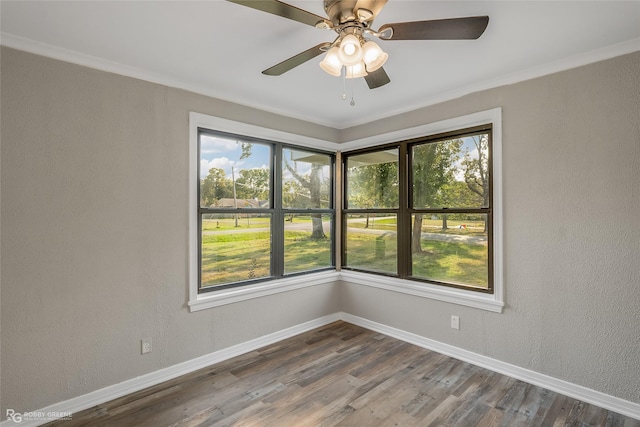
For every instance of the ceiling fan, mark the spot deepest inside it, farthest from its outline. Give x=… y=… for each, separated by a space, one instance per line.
x=352 y=54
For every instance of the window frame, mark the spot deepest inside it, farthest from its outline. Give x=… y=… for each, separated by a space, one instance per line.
x=346 y=211
x=412 y=210
x=406 y=208
x=488 y=302
x=463 y=296
x=270 y=210
x=203 y=298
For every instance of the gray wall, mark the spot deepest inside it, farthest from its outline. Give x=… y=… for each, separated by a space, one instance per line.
x=94 y=223
x=571 y=176
x=94 y=233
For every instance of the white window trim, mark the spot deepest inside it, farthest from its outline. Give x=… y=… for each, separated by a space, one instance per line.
x=491 y=302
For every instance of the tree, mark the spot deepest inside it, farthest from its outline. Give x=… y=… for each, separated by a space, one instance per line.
x=214 y=187
x=476 y=174
x=246 y=148
x=253 y=184
x=374 y=186
x=433 y=167
x=313 y=184
x=292 y=195
x=457 y=193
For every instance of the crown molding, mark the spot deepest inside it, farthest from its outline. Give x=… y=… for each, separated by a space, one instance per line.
x=97 y=63
x=573 y=61
x=570 y=62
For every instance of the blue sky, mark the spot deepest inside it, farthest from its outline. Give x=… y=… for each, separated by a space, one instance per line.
x=224 y=153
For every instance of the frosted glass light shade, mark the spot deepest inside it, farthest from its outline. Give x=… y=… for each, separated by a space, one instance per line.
x=373 y=56
x=350 y=52
x=331 y=63
x=357 y=70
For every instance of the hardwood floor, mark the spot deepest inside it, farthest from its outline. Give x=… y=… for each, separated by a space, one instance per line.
x=344 y=375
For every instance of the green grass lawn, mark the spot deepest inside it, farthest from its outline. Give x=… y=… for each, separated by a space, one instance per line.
x=234 y=257
x=450 y=262
x=302 y=253
x=370 y=252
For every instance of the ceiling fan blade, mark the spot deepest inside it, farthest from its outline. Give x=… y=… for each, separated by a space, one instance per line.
x=377 y=78
x=299 y=59
x=285 y=10
x=441 y=29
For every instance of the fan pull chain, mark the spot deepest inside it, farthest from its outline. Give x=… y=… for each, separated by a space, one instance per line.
x=343 y=71
x=353 y=102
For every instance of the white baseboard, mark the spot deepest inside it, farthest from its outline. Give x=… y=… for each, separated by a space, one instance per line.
x=575 y=391
x=115 y=391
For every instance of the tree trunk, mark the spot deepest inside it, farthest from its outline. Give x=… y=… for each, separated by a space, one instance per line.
x=316 y=227
x=444 y=222
x=314 y=190
x=416 y=235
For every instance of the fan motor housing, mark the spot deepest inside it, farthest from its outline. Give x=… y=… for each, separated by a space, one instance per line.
x=343 y=11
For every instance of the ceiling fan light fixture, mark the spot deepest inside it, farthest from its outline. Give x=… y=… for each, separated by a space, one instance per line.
x=331 y=63
x=355 y=71
x=350 y=52
x=373 y=56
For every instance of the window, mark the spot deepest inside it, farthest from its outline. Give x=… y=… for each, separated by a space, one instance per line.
x=283 y=220
x=422 y=210
x=265 y=210
x=371 y=219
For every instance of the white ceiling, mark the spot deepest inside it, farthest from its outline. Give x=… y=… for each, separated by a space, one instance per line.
x=219 y=49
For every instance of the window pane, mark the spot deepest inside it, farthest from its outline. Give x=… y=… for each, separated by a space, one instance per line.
x=306 y=179
x=234 y=173
x=371 y=242
x=235 y=248
x=451 y=173
x=307 y=242
x=372 y=180
x=451 y=248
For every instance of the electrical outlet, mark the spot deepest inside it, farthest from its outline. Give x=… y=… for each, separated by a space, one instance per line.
x=146 y=345
x=455 y=322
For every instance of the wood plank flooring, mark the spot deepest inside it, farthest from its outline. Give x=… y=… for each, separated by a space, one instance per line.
x=344 y=375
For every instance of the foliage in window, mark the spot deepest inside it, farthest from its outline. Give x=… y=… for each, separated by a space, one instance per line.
x=447 y=218
x=451 y=175
x=373 y=180
x=306 y=194
x=251 y=229
x=371 y=233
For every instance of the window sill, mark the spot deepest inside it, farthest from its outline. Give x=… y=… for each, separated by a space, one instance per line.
x=455 y=296
x=243 y=293
x=489 y=302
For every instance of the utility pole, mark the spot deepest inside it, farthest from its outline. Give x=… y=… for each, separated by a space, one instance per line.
x=235 y=200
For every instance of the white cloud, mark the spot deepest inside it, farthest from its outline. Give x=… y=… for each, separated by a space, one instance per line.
x=219 y=162
x=211 y=144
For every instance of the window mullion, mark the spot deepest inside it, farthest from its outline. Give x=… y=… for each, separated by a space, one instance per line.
x=404 y=219
x=277 y=225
